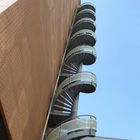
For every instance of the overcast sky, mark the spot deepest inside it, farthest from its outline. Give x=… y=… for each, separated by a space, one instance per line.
x=116 y=102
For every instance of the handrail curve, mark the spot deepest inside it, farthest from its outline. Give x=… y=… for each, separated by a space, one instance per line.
x=85 y=77
x=73 y=124
x=86 y=4
x=85 y=49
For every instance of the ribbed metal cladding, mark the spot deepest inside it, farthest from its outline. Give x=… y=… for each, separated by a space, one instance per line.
x=80 y=51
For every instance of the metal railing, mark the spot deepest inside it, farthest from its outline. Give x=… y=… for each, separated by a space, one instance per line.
x=84 y=23
x=83 y=122
x=90 y=20
x=83 y=32
x=86 y=77
x=81 y=49
x=87 y=4
x=86 y=11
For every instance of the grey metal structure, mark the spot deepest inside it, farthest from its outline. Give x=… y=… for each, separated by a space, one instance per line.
x=84 y=36
x=77 y=127
x=84 y=23
x=85 y=13
x=63 y=122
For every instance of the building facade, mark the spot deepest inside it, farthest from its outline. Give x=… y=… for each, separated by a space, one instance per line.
x=33 y=35
x=43 y=45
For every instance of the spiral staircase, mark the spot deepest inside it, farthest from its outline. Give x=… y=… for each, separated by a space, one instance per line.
x=80 y=51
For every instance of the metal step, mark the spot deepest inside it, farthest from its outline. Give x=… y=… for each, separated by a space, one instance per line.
x=82 y=37
x=68 y=101
x=61 y=108
x=86 y=6
x=62 y=103
x=59 y=113
x=84 y=23
x=68 y=70
x=81 y=54
x=74 y=128
x=86 y=13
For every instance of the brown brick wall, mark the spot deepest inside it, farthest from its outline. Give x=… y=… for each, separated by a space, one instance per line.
x=32 y=38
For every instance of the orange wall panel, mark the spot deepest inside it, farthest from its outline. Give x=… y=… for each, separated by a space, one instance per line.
x=33 y=35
